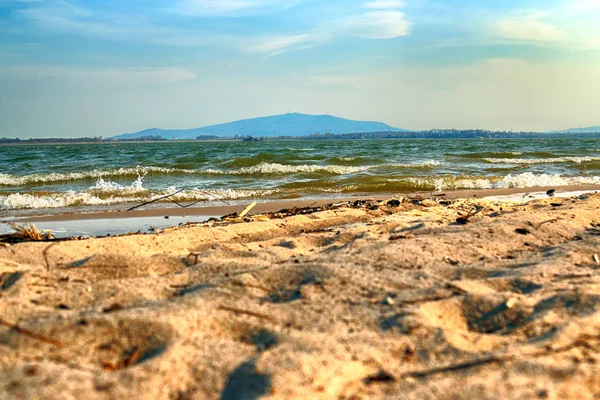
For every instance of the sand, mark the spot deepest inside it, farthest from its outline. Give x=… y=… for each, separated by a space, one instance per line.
x=348 y=303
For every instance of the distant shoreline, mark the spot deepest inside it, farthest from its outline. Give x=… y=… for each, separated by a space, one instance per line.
x=110 y=142
x=342 y=137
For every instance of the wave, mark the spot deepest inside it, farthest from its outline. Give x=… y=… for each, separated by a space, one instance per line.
x=475 y=155
x=264 y=168
x=300 y=149
x=346 y=158
x=109 y=193
x=519 y=181
x=103 y=186
x=20 y=201
x=577 y=160
x=278 y=169
x=12 y=180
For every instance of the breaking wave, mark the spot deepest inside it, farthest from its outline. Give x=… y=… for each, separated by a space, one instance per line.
x=264 y=168
x=13 y=180
x=576 y=160
x=520 y=181
x=109 y=193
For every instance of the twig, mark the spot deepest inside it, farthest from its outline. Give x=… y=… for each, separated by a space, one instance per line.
x=247 y=312
x=45 y=253
x=213 y=195
x=458 y=366
x=580 y=341
x=186 y=206
x=32 y=335
x=133 y=357
x=542 y=223
x=155 y=200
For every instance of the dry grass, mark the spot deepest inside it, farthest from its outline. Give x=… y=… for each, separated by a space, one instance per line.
x=26 y=233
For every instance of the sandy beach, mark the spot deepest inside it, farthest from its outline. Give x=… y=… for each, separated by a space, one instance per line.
x=448 y=297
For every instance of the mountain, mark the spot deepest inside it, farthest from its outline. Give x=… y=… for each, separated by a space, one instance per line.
x=292 y=124
x=589 y=129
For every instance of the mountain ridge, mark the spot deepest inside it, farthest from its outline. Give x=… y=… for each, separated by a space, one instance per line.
x=589 y=129
x=290 y=124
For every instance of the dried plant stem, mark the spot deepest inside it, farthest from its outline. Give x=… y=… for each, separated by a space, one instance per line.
x=32 y=335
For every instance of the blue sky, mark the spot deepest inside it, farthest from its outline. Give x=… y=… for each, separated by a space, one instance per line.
x=99 y=68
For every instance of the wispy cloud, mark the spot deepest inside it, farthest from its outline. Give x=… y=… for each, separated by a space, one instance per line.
x=68 y=18
x=279 y=44
x=382 y=24
x=384 y=4
x=585 y=4
x=376 y=24
x=573 y=25
x=530 y=28
x=382 y=20
x=207 y=8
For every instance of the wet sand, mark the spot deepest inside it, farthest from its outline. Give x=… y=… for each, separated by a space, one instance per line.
x=438 y=298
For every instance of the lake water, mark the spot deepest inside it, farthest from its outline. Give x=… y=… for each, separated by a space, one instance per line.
x=99 y=176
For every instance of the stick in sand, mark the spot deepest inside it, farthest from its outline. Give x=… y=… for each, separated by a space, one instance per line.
x=155 y=200
x=247 y=210
x=32 y=335
x=173 y=194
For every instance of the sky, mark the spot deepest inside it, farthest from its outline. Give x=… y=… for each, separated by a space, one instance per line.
x=72 y=68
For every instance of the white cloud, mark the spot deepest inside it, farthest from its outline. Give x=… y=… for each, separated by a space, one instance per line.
x=206 y=8
x=65 y=17
x=529 y=28
x=377 y=25
x=384 y=4
x=573 y=26
x=585 y=5
x=278 y=45
x=381 y=24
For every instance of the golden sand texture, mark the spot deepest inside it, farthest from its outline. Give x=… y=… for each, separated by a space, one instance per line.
x=395 y=302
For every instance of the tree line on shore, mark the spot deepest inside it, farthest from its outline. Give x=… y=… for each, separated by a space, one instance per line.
x=429 y=134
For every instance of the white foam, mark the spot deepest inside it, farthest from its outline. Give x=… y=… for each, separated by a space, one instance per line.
x=12 y=180
x=280 y=169
x=301 y=149
x=17 y=201
x=140 y=171
x=524 y=180
x=528 y=179
x=577 y=160
x=103 y=186
x=429 y=163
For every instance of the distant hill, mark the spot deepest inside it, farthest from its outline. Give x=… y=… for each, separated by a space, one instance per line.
x=292 y=124
x=589 y=129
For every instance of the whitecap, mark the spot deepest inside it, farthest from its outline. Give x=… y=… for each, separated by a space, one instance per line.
x=577 y=160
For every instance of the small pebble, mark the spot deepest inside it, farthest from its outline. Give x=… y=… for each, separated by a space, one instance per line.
x=511 y=302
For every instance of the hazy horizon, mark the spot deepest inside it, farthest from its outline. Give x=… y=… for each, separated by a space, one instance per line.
x=74 y=68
